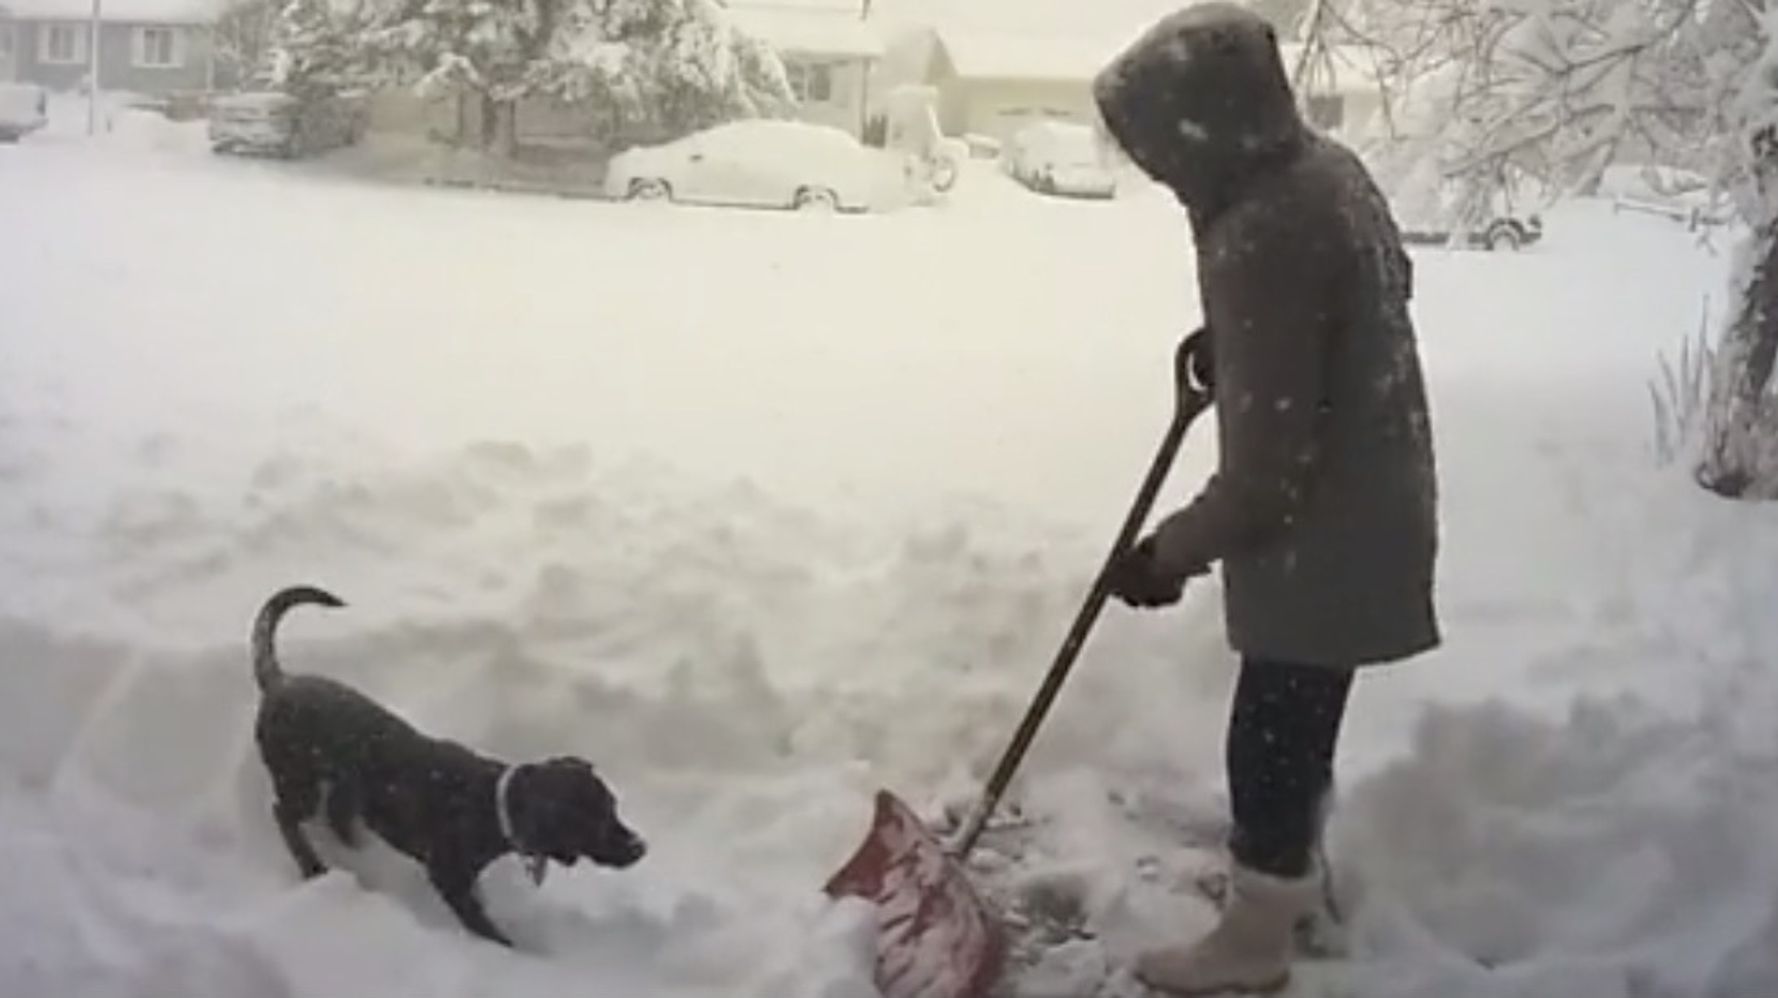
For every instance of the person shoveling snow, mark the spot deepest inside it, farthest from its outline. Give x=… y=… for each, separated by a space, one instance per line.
x=1322 y=511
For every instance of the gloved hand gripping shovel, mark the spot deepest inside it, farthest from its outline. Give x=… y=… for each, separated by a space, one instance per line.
x=937 y=938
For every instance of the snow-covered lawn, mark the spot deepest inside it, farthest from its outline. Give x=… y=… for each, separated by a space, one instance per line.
x=761 y=512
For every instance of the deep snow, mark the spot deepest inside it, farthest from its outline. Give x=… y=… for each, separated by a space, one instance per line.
x=762 y=512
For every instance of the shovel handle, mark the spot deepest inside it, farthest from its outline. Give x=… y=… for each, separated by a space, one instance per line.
x=1189 y=402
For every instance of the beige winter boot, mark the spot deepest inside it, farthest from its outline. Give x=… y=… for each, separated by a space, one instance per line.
x=1249 y=950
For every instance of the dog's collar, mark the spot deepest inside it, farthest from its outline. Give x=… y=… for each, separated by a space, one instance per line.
x=536 y=863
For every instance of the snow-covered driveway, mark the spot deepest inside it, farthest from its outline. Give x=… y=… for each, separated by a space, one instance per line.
x=763 y=511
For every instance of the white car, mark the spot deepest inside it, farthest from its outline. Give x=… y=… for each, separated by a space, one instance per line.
x=24 y=108
x=761 y=163
x=1059 y=157
x=1675 y=193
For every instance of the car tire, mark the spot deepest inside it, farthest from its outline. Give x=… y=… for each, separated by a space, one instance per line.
x=815 y=199
x=649 y=189
x=1505 y=238
x=944 y=174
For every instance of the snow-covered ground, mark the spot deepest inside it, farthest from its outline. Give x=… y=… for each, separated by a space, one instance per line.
x=761 y=512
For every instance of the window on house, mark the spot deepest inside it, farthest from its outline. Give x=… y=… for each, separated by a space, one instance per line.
x=811 y=82
x=61 y=43
x=157 y=48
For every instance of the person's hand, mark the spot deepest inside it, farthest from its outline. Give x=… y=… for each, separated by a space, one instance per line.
x=1139 y=579
x=1194 y=362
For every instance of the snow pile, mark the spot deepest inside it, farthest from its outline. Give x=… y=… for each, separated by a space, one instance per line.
x=125 y=127
x=755 y=570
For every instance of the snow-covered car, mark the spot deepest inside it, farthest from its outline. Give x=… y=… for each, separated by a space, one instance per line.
x=1435 y=212
x=772 y=164
x=1059 y=157
x=1671 y=192
x=271 y=123
x=24 y=108
x=1499 y=233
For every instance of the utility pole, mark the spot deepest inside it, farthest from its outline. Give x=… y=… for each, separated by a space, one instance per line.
x=92 y=72
x=864 y=75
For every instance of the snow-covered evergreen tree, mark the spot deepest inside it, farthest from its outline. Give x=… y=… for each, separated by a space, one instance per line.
x=483 y=47
x=654 y=67
x=242 y=39
x=662 y=68
x=313 y=48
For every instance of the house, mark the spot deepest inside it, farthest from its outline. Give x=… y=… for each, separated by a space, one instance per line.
x=990 y=84
x=151 y=47
x=830 y=49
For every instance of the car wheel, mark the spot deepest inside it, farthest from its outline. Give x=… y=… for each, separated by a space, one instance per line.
x=7 y=138
x=944 y=174
x=647 y=189
x=816 y=199
x=1505 y=237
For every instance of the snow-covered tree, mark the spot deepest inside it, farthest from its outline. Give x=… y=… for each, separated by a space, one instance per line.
x=660 y=67
x=482 y=47
x=242 y=39
x=1740 y=453
x=1483 y=90
x=1552 y=90
x=314 y=48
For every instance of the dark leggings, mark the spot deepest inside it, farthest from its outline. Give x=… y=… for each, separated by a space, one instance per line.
x=1282 y=733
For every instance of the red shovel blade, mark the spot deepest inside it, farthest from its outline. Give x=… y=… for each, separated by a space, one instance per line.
x=936 y=938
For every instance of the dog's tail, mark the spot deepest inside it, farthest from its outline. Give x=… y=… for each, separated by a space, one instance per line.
x=266 y=671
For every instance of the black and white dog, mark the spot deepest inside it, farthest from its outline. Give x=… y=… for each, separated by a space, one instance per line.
x=449 y=808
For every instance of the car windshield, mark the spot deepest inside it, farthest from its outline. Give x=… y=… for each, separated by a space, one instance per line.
x=444 y=441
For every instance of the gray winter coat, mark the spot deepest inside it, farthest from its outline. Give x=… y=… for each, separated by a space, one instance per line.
x=1322 y=511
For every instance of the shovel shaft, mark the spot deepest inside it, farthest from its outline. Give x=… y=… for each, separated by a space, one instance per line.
x=1190 y=403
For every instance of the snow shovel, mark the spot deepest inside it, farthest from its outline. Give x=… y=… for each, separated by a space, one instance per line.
x=937 y=938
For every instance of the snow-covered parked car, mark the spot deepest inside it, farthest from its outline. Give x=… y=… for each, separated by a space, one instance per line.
x=24 y=108
x=1059 y=157
x=1444 y=215
x=1679 y=194
x=272 y=123
x=1497 y=233
x=762 y=163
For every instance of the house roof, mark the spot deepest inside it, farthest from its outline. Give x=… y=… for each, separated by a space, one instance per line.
x=807 y=27
x=114 y=11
